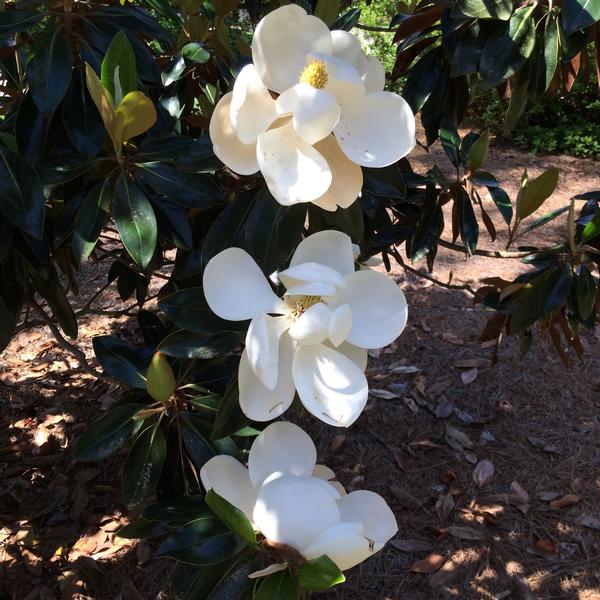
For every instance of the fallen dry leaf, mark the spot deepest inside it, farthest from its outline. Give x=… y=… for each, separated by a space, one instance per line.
x=589 y=522
x=565 y=501
x=483 y=472
x=452 y=338
x=337 y=442
x=546 y=546
x=430 y=564
x=469 y=376
x=457 y=439
x=444 y=506
x=383 y=394
x=548 y=496
x=519 y=497
x=412 y=545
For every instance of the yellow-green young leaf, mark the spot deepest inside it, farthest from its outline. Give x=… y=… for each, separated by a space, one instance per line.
x=328 y=10
x=535 y=191
x=478 y=151
x=160 y=381
x=100 y=96
x=134 y=116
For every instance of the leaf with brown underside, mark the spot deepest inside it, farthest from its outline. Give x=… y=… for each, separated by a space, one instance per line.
x=565 y=501
x=430 y=564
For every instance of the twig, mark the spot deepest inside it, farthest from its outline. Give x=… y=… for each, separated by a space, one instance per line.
x=374 y=28
x=487 y=253
x=66 y=345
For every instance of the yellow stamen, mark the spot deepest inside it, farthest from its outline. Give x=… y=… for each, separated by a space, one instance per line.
x=315 y=74
x=302 y=304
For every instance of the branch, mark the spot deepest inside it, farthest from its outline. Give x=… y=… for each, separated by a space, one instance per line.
x=66 y=345
x=374 y=28
x=487 y=253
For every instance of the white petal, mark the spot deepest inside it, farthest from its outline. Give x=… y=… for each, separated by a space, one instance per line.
x=257 y=401
x=239 y=157
x=344 y=543
x=262 y=347
x=281 y=42
x=370 y=509
x=330 y=248
x=329 y=384
x=347 y=47
x=340 y=324
x=378 y=307
x=373 y=74
x=281 y=447
x=229 y=478
x=312 y=326
x=344 y=81
x=314 y=112
x=252 y=109
x=376 y=130
x=311 y=272
x=325 y=473
x=315 y=288
x=294 y=510
x=294 y=170
x=235 y=287
x=359 y=356
x=346 y=177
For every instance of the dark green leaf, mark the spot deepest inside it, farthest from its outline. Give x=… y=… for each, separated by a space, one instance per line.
x=422 y=79
x=13 y=21
x=195 y=52
x=518 y=100
x=451 y=143
x=21 y=194
x=49 y=71
x=82 y=121
x=586 y=292
x=174 y=70
x=30 y=128
x=545 y=218
x=578 y=14
x=202 y=542
x=346 y=21
x=592 y=228
x=106 y=435
x=467 y=222
x=142 y=468
x=177 y=512
x=508 y=47
x=319 y=574
x=135 y=221
x=199 y=157
x=234 y=518
x=121 y=360
x=502 y=201
x=62 y=167
x=183 y=344
x=141 y=528
x=90 y=220
x=230 y=417
x=484 y=9
x=188 y=309
x=187 y=189
x=278 y=586
x=478 y=151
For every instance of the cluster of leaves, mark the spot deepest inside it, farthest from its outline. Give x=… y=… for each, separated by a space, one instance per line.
x=105 y=111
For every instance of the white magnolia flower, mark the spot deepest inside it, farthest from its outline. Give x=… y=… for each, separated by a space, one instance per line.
x=292 y=500
x=309 y=112
x=314 y=340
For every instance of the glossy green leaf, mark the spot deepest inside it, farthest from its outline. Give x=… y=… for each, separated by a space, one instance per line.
x=174 y=70
x=467 y=222
x=230 y=417
x=31 y=127
x=478 y=151
x=121 y=360
x=90 y=220
x=187 y=189
x=278 y=586
x=183 y=344
x=141 y=528
x=545 y=218
x=22 y=200
x=508 y=47
x=319 y=574
x=177 y=512
x=587 y=292
x=346 y=21
x=578 y=14
x=234 y=518
x=106 y=435
x=143 y=466
x=591 y=229
x=195 y=53
x=533 y=194
x=135 y=221
x=551 y=46
x=502 y=201
x=119 y=71
x=485 y=9
x=518 y=99
x=49 y=71
x=13 y=21
x=196 y=444
x=450 y=141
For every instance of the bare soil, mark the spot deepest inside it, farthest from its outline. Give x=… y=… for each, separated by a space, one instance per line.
x=530 y=530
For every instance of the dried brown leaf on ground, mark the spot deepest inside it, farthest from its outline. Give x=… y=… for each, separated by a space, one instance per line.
x=519 y=497
x=430 y=564
x=466 y=533
x=483 y=472
x=469 y=376
x=412 y=545
x=564 y=502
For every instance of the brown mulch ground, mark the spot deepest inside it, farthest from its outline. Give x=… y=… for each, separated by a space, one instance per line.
x=530 y=530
